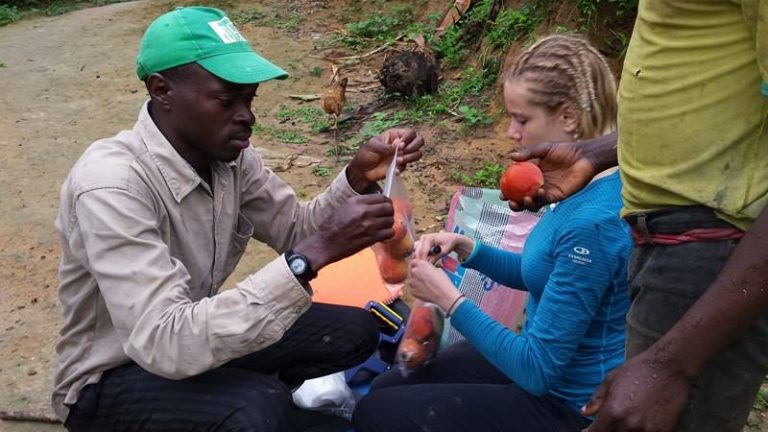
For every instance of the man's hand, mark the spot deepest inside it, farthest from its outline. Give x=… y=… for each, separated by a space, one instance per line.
x=565 y=170
x=645 y=394
x=372 y=160
x=567 y=167
x=357 y=224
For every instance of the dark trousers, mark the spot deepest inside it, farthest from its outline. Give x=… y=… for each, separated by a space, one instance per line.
x=247 y=394
x=460 y=391
x=664 y=282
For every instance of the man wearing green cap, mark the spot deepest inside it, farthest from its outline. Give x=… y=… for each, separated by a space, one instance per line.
x=154 y=220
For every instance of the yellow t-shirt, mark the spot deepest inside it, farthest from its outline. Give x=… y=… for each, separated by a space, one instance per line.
x=691 y=112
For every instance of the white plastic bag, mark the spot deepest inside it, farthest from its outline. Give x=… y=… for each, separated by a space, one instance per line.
x=328 y=393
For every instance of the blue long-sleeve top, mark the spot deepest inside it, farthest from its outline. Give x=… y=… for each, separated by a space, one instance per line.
x=574 y=266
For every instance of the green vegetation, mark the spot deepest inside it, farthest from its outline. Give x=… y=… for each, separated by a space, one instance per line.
x=316 y=71
x=500 y=27
x=316 y=118
x=376 y=29
x=485 y=177
x=611 y=15
x=9 y=14
x=288 y=136
x=285 y=20
x=321 y=171
x=14 y=10
x=761 y=400
x=514 y=24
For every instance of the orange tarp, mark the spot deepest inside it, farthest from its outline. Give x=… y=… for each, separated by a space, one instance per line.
x=353 y=281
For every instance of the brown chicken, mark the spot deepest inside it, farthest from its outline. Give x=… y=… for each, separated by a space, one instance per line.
x=333 y=101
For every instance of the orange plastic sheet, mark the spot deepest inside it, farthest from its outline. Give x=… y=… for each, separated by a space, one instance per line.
x=353 y=281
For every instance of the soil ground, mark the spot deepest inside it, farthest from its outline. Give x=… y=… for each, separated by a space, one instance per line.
x=69 y=80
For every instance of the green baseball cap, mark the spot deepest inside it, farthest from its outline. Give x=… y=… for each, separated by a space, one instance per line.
x=207 y=37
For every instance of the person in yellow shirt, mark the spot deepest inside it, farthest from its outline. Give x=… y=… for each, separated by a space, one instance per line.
x=693 y=152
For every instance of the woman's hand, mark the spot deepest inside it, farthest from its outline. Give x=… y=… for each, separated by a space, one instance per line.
x=431 y=284
x=432 y=247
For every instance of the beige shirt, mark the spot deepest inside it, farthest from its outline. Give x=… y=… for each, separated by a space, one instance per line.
x=145 y=247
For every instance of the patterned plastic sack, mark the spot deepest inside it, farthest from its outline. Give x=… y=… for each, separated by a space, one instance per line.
x=480 y=214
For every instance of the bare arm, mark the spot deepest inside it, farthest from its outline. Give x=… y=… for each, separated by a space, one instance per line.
x=657 y=380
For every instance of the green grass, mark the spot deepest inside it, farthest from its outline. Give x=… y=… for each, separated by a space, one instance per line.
x=321 y=171
x=761 y=400
x=377 y=29
x=287 y=21
x=485 y=177
x=315 y=118
x=9 y=14
x=514 y=24
x=21 y=9
x=288 y=136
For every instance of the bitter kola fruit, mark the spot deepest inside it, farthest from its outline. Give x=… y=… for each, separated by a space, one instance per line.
x=520 y=180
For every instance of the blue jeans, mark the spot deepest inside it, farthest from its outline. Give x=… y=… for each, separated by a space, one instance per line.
x=664 y=282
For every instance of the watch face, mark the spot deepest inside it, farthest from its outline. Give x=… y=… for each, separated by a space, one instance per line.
x=298 y=266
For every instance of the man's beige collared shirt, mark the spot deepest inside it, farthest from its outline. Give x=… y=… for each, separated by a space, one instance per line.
x=146 y=246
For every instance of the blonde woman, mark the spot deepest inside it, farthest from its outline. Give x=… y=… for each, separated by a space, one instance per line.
x=574 y=266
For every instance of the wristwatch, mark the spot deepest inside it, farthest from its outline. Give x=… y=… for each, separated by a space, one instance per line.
x=300 y=266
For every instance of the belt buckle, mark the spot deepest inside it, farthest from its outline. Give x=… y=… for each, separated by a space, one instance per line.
x=642 y=226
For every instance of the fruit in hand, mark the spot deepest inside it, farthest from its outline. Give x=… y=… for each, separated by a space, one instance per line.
x=393 y=270
x=520 y=180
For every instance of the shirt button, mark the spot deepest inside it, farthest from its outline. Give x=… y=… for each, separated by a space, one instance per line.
x=297 y=310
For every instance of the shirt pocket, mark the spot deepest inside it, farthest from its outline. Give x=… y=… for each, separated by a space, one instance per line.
x=240 y=236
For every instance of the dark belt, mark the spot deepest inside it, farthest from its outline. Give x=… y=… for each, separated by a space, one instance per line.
x=677 y=225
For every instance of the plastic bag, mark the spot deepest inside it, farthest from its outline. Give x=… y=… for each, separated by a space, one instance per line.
x=421 y=339
x=480 y=214
x=329 y=394
x=392 y=255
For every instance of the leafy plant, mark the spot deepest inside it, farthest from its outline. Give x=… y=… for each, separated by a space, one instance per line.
x=316 y=71
x=473 y=116
x=485 y=177
x=317 y=120
x=514 y=24
x=378 y=28
x=761 y=400
x=279 y=18
x=9 y=14
x=288 y=136
x=321 y=171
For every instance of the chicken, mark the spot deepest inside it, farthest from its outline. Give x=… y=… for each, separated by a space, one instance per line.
x=333 y=101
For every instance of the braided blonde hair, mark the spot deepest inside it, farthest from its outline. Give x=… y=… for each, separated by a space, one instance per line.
x=563 y=69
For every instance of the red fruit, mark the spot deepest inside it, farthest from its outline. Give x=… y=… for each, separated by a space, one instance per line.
x=411 y=353
x=520 y=180
x=401 y=206
x=401 y=228
x=393 y=270
x=420 y=324
x=400 y=249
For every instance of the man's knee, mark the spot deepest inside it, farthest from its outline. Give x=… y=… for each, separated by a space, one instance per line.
x=365 y=333
x=265 y=407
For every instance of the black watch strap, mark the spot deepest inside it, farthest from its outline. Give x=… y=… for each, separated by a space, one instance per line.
x=300 y=266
